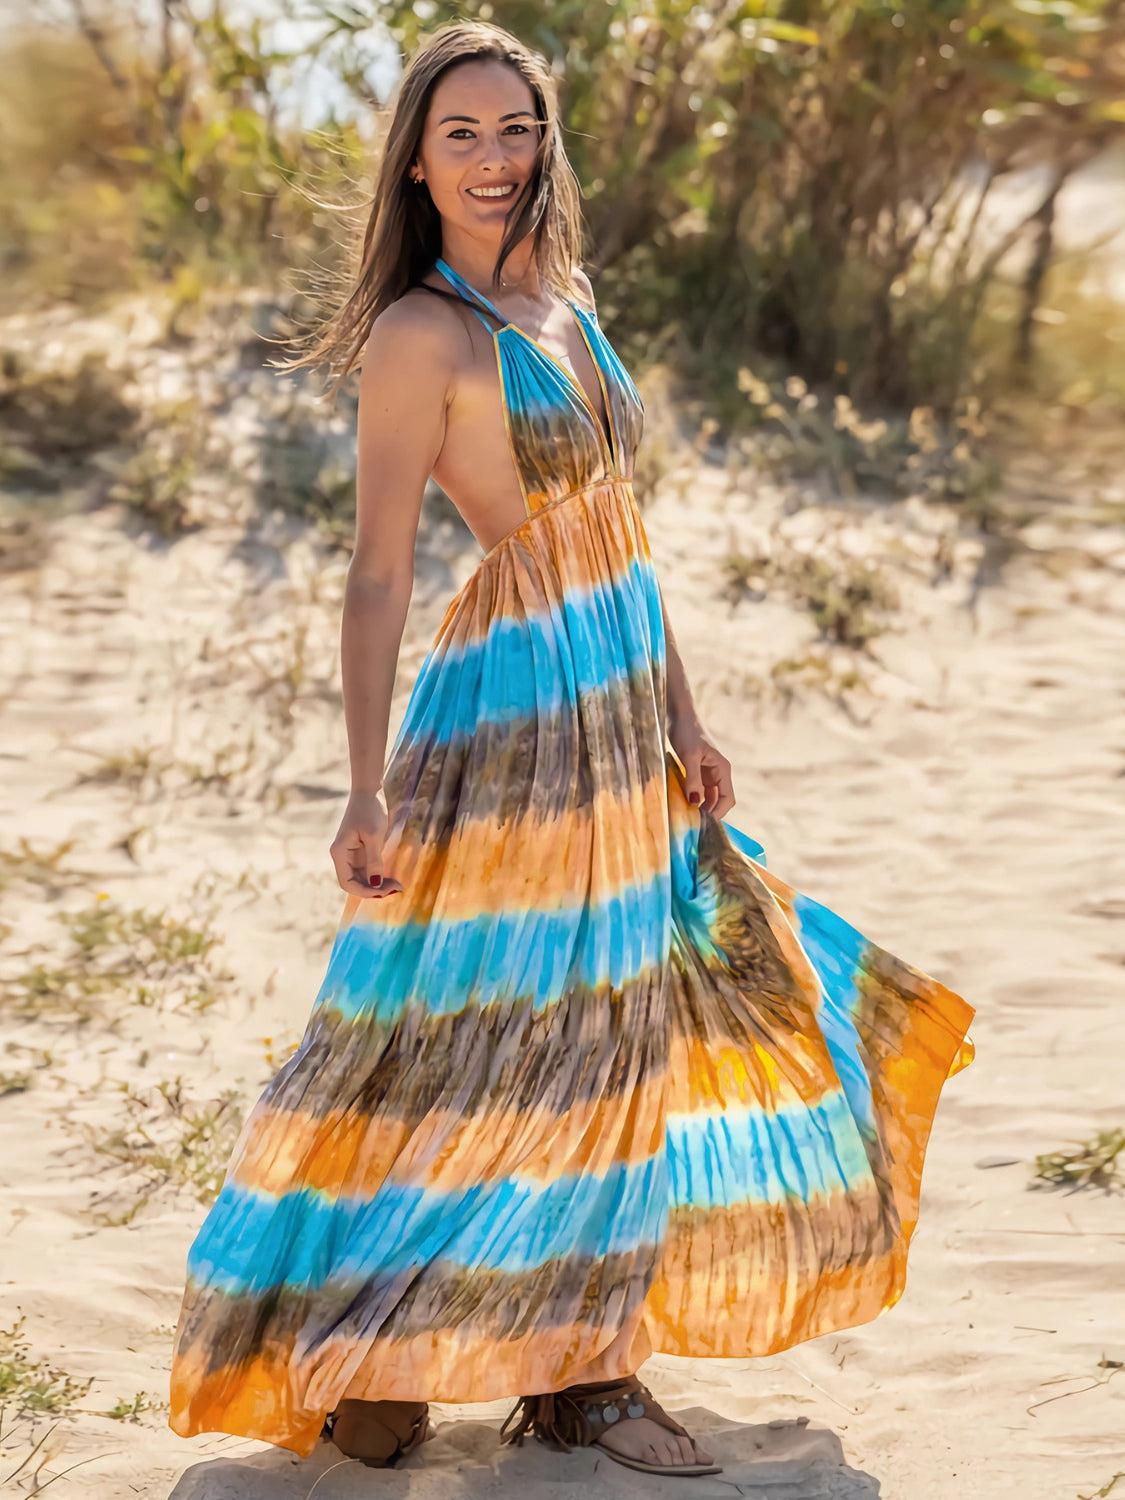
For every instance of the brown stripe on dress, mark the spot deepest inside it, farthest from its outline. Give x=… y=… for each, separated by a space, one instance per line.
x=587 y=1043
x=351 y=1155
x=543 y=767
x=747 y=1278
x=228 y=1331
x=497 y=1305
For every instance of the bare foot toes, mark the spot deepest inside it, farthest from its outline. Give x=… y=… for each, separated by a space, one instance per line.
x=653 y=1443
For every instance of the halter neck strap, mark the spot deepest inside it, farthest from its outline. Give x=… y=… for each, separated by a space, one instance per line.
x=469 y=293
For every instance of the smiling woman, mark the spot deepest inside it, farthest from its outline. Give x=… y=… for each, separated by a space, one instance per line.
x=518 y=129
x=584 y=1080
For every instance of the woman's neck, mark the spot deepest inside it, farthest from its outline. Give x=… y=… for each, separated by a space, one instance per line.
x=475 y=262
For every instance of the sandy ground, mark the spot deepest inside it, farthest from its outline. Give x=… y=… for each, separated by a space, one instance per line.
x=963 y=807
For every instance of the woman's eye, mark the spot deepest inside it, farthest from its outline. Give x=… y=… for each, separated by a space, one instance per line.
x=463 y=130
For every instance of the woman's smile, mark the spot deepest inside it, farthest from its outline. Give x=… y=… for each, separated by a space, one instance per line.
x=492 y=190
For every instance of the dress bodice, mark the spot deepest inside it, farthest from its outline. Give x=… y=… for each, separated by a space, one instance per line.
x=558 y=441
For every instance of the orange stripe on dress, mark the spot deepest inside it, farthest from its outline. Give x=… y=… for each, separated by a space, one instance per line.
x=494 y=864
x=352 y=1156
x=256 y=1399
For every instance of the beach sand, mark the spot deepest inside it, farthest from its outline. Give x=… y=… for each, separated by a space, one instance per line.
x=962 y=806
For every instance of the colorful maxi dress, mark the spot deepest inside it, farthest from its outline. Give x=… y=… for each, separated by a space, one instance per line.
x=597 y=1083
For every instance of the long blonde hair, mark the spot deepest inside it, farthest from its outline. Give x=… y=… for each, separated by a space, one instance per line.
x=402 y=237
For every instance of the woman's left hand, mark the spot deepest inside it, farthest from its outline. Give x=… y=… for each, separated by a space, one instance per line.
x=707 y=770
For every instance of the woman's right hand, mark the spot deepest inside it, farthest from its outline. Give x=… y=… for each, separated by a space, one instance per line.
x=357 y=849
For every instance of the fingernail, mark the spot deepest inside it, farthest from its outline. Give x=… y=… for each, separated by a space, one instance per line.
x=376 y=880
x=694 y=796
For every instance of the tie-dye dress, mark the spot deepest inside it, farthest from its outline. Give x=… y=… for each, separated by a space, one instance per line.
x=597 y=1083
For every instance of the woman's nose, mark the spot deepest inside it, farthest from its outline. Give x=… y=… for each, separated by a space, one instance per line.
x=493 y=154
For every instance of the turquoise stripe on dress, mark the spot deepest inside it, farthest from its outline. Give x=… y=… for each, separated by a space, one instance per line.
x=763 y=1156
x=443 y=966
x=255 y=1242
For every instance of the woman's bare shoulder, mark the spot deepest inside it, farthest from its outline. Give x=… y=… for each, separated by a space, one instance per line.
x=418 y=326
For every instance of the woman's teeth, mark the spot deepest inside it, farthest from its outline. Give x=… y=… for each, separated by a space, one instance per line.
x=494 y=192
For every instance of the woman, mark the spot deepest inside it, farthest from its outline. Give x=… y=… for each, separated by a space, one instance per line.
x=583 y=1080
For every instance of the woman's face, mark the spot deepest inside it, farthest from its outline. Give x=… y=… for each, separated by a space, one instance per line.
x=478 y=145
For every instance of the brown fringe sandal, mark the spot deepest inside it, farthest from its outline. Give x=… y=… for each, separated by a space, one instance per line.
x=580 y=1415
x=406 y=1426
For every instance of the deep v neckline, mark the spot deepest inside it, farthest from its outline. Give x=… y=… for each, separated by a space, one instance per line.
x=607 y=435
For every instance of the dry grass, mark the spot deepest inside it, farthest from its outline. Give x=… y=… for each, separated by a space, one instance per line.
x=848 y=598
x=1096 y=1162
x=25 y=542
x=806 y=433
x=119 y=957
x=306 y=471
x=41 y=868
x=229 y=768
x=812 y=674
x=1106 y=1489
x=133 y=1408
x=31 y=1386
x=167 y=1144
x=280 y=664
x=141 y=769
x=152 y=771
x=818 y=672
x=27 y=1061
x=156 y=488
x=59 y=414
x=157 y=480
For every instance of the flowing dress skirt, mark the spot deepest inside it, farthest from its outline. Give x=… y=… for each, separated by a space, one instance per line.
x=596 y=1084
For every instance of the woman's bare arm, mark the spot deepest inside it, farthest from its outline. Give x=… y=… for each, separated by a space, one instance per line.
x=405 y=384
x=403 y=389
x=681 y=704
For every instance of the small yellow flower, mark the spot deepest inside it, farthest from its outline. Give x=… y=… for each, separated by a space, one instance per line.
x=757 y=390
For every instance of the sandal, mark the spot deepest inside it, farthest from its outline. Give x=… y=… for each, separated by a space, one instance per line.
x=579 y=1415
x=406 y=1424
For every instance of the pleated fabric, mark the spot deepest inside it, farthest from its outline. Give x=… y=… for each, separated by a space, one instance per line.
x=598 y=1083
